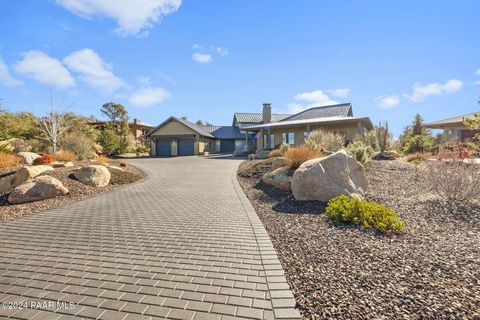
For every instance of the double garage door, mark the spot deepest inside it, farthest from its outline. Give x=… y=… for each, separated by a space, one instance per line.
x=185 y=147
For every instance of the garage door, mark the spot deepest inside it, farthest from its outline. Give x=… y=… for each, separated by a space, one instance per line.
x=185 y=147
x=163 y=148
x=227 y=146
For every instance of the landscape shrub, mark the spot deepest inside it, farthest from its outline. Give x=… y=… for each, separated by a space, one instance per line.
x=8 y=160
x=453 y=176
x=65 y=155
x=102 y=160
x=417 y=156
x=5 y=147
x=368 y=214
x=123 y=164
x=80 y=143
x=284 y=148
x=296 y=156
x=418 y=144
x=325 y=140
x=275 y=153
x=45 y=159
x=360 y=151
x=20 y=145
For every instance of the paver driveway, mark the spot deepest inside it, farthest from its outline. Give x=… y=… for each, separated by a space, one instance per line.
x=184 y=244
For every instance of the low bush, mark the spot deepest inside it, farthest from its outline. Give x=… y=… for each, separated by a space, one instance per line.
x=79 y=143
x=360 y=151
x=275 y=153
x=5 y=147
x=368 y=214
x=284 y=148
x=102 y=160
x=418 y=156
x=44 y=159
x=296 y=156
x=453 y=176
x=123 y=164
x=325 y=140
x=8 y=160
x=65 y=155
x=20 y=145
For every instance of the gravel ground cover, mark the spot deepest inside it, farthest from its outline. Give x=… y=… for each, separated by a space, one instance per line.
x=77 y=189
x=431 y=271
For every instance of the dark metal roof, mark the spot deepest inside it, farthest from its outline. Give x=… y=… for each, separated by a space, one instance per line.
x=314 y=121
x=187 y=123
x=338 y=110
x=227 y=132
x=247 y=117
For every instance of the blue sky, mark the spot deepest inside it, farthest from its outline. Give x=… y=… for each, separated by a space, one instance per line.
x=208 y=59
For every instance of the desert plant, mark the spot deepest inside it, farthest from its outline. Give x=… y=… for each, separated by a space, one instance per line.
x=296 y=156
x=453 y=176
x=284 y=148
x=65 y=155
x=360 y=151
x=418 y=156
x=275 y=153
x=365 y=213
x=8 y=160
x=102 y=160
x=80 y=143
x=383 y=137
x=325 y=140
x=45 y=159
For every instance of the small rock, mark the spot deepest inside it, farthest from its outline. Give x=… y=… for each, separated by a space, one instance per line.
x=62 y=164
x=40 y=188
x=93 y=175
x=278 y=162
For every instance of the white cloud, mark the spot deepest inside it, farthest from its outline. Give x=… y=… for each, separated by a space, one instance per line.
x=340 y=92
x=39 y=66
x=387 y=102
x=133 y=17
x=5 y=77
x=421 y=92
x=148 y=96
x=476 y=83
x=477 y=72
x=308 y=100
x=202 y=57
x=93 y=70
x=222 y=51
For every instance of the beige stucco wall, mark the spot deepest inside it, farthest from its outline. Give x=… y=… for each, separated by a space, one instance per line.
x=350 y=131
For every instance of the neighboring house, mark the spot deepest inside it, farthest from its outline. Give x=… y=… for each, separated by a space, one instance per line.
x=243 y=119
x=453 y=128
x=294 y=129
x=138 y=129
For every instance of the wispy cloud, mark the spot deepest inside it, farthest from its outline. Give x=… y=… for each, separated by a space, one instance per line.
x=93 y=70
x=306 y=100
x=222 y=51
x=202 y=57
x=477 y=72
x=133 y=17
x=339 y=92
x=387 y=102
x=45 y=69
x=421 y=92
x=6 y=78
x=148 y=97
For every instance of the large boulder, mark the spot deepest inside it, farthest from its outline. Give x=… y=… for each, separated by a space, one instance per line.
x=322 y=179
x=93 y=175
x=278 y=162
x=279 y=178
x=28 y=157
x=40 y=188
x=21 y=176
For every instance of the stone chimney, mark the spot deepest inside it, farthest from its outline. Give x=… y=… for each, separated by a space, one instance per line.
x=267 y=113
x=136 y=121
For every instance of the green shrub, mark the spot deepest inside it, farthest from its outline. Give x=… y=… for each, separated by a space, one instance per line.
x=79 y=143
x=418 y=144
x=284 y=148
x=360 y=151
x=325 y=140
x=365 y=213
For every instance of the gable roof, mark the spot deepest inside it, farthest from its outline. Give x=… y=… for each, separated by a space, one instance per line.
x=449 y=121
x=199 y=129
x=313 y=121
x=255 y=117
x=337 y=110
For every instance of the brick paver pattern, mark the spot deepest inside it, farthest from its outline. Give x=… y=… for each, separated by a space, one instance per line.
x=183 y=244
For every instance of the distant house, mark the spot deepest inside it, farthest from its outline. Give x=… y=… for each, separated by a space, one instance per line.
x=454 y=128
x=137 y=128
x=295 y=128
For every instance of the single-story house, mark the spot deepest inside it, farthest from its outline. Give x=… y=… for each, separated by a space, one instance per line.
x=137 y=128
x=295 y=128
x=454 y=128
x=180 y=137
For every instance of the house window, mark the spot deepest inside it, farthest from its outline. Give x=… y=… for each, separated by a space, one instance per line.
x=272 y=141
x=288 y=138
x=305 y=134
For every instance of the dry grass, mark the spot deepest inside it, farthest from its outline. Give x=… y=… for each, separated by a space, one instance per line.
x=102 y=160
x=44 y=159
x=296 y=156
x=8 y=160
x=418 y=156
x=275 y=153
x=65 y=155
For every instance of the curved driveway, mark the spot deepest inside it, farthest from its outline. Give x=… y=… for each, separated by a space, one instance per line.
x=183 y=244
